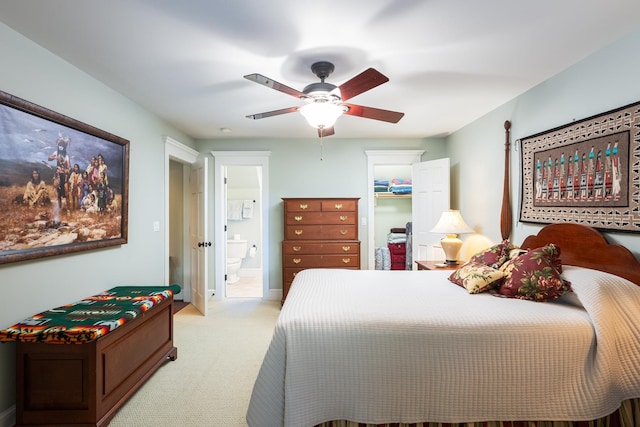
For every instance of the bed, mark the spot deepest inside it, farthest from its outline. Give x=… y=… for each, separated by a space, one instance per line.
x=396 y=348
x=77 y=364
x=378 y=347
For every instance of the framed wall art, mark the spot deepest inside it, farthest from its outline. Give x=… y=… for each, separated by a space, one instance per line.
x=586 y=172
x=63 y=183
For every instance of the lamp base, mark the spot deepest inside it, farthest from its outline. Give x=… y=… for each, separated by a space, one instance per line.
x=451 y=246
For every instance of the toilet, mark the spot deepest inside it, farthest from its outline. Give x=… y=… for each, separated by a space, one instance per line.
x=236 y=252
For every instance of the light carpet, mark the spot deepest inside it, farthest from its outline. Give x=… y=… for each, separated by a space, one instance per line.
x=210 y=383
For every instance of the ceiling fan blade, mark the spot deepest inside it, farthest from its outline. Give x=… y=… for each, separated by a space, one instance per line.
x=266 y=81
x=373 y=113
x=272 y=113
x=364 y=81
x=325 y=132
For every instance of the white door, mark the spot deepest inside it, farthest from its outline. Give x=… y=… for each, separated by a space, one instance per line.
x=431 y=185
x=198 y=236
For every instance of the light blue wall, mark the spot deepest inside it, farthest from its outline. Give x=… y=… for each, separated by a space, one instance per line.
x=26 y=288
x=604 y=81
x=296 y=170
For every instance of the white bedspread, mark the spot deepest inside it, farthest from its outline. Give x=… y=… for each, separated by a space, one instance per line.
x=406 y=346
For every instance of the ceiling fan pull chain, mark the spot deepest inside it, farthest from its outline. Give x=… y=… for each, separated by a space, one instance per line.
x=321 y=152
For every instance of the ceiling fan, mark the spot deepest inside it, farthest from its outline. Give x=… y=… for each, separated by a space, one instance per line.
x=324 y=102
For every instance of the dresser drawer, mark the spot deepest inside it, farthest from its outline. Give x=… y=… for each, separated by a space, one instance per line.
x=302 y=205
x=289 y=273
x=316 y=218
x=338 y=205
x=327 y=232
x=321 y=261
x=306 y=247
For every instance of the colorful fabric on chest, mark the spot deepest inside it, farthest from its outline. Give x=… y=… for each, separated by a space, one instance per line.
x=89 y=318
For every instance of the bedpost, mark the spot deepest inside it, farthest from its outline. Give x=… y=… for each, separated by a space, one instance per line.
x=505 y=213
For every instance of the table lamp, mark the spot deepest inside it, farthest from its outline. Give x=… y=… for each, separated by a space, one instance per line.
x=451 y=224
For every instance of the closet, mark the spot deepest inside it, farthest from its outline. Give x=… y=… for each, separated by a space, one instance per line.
x=428 y=199
x=386 y=211
x=392 y=211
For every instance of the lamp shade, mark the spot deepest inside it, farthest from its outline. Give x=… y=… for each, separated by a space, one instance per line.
x=321 y=115
x=451 y=222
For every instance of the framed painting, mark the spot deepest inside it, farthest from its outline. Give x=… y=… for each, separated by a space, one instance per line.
x=63 y=183
x=586 y=172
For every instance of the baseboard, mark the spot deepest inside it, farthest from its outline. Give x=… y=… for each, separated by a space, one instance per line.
x=8 y=417
x=274 y=294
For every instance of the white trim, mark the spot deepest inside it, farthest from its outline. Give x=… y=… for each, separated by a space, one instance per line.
x=273 y=295
x=382 y=157
x=223 y=159
x=179 y=151
x=174 y=150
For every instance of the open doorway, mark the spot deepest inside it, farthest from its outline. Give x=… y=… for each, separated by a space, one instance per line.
x=244 y=232
x=178 y=161
x=241 y=177
x=394 y=211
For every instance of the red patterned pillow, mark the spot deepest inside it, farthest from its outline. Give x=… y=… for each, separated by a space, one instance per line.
x=534 y=275
x=494 y=256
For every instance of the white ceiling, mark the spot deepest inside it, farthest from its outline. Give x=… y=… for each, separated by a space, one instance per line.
x=449 y=61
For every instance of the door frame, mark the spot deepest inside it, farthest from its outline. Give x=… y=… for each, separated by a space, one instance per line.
x=382 y=157
x=222 y=160
x=174 y=150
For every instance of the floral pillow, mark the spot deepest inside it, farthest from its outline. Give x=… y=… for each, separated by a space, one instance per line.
x=476 y=277
x=534 y=275
x=494 y=256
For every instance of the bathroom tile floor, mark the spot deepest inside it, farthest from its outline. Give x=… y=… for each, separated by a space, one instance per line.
x=246 y=287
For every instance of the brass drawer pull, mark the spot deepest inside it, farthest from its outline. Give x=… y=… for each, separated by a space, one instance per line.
x=346 y=248
x=296 y=260
x=343 y=232
x=346 y=260
x=297 y=248
x=298 y=232
x=298 y=217
x=303 y=206
x=338 y=205
x=343 y=217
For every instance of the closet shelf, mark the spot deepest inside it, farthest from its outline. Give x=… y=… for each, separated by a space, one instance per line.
x=392 y=196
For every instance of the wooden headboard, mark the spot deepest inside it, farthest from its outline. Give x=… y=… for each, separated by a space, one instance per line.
x=579 y=245
x=584 y=246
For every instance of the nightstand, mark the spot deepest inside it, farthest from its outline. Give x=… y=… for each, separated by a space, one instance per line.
x=435 y=265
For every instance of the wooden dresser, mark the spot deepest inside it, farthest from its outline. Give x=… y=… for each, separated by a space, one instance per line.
x=319 y=233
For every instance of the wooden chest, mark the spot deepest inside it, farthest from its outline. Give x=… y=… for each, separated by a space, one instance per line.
x=319 y=233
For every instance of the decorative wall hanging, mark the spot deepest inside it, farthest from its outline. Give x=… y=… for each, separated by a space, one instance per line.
x=586 y=172
x=63 y=183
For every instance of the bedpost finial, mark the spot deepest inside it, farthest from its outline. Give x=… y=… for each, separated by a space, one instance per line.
x=507 y=125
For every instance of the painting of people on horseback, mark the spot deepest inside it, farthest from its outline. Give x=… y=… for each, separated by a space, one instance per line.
x=63 y=183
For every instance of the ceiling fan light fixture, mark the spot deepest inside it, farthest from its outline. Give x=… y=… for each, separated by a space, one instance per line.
x=323 y=101
x=321 y=115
